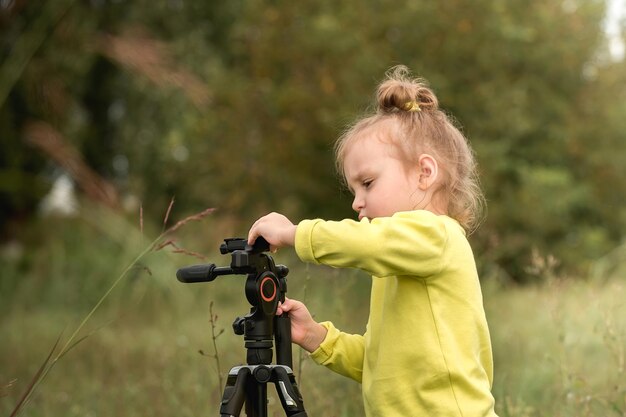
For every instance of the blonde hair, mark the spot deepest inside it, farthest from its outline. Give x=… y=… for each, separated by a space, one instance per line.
x=408 y=116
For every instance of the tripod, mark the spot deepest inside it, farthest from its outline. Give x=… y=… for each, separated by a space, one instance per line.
x=265 y=286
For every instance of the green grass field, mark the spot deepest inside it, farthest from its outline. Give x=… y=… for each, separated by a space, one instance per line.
x=559 y=346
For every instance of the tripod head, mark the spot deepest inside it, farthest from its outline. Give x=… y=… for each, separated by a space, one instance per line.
x=265 y=286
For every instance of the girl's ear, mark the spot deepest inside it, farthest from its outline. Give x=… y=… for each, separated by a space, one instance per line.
x=428 y=171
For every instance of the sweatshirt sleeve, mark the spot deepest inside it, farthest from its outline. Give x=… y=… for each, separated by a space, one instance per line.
x=341 y=352
x=407 y=243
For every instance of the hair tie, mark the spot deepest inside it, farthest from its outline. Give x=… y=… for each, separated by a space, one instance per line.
x=412 y=106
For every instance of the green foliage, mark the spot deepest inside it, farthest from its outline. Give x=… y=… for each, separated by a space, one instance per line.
x=237 y=104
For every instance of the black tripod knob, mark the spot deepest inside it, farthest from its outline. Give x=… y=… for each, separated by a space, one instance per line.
x=239 y=325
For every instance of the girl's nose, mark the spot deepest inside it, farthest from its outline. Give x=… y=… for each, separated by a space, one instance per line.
x=357 y=203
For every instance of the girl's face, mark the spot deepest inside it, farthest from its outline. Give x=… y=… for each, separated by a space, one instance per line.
x=382 y=184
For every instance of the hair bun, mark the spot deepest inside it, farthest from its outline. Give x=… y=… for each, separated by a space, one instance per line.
x=400 y=92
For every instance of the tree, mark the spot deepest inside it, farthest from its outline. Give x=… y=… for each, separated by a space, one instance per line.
x=237 y=105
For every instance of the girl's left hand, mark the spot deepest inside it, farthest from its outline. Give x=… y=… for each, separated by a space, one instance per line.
x=277 y=229
x=305 y=331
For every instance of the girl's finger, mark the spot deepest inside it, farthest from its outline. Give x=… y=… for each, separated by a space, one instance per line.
x=285 y=306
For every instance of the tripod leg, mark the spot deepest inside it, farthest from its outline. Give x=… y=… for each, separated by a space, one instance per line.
x=256 y=398
x=234 y=392
x=288 y=391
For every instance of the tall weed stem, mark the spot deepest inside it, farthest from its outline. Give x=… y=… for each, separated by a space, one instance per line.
x=71 y=342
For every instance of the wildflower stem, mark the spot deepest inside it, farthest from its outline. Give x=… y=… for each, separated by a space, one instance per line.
x=213 y=319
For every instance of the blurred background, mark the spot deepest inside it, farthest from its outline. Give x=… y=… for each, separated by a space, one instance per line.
x=119 y=119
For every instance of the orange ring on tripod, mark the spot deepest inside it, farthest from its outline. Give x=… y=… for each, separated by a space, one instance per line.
x=268 y=299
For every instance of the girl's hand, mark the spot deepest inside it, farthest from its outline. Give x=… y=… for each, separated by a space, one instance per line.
x=305 y=331
x=277 y=229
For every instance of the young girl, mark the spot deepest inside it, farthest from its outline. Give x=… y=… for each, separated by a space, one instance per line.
x=426 y=350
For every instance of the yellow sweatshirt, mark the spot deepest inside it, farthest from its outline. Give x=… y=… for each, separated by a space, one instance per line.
x=426 y=350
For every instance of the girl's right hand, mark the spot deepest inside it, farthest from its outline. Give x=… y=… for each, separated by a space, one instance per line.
x=277 y=229
x=305 y=331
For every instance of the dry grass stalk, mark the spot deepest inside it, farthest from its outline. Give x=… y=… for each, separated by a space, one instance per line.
x=189 y=253
x=167 y=214
x=73 y=340
x=194 y=217
x=301 y=355
x=153 y=59
x=177 y=249
x=141 y=219
x=37 y=378
x=6 y=388
x=52 y=143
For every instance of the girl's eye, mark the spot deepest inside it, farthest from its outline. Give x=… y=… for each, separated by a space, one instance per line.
x=367 y=183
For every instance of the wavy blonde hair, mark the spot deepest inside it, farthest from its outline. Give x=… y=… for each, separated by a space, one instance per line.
x=408 y=115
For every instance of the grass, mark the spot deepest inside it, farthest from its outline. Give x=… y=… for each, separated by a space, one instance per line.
x=558 y=346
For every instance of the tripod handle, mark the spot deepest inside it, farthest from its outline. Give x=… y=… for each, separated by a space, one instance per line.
x=196 y=273
x=201 y=273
